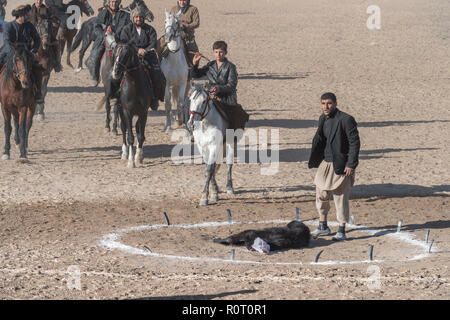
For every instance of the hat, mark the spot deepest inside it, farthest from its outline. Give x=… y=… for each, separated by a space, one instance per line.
x=137 y=12
x=21 y=10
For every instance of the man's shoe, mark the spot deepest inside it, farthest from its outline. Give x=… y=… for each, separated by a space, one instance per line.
x=319 y=232
x=339 y=237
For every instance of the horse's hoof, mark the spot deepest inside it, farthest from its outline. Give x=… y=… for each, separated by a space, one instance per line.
x=131 y=165
x=17 y=146
x=214 y=198
x=204 y=202
x=124 y=157
x=230 y=191
x=77 y=70
x=167 y=129
x=107 y=130
x=40 y=117
x=5 y=157
x=114 y=131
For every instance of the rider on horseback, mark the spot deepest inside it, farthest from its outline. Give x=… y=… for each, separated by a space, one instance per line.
x=22 y=32
x=39 y=11
x=190 y=20
x=221 y=74
x=110 y=16
x=144 y=37
x=3 y=4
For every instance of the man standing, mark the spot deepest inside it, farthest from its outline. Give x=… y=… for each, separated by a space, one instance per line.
x=144 y=37
x=190 y=20
x=337 y=142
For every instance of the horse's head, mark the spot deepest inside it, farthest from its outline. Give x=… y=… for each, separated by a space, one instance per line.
x=126 y=58
x=86 y=8
x=21 y=65
x=173 y=31
x=198 y=104
x=43 y=31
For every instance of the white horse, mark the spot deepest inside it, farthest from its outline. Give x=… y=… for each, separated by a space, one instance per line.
x=209 y=130
x=175 y=69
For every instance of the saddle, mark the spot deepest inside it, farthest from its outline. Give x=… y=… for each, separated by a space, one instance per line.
x=234 y=114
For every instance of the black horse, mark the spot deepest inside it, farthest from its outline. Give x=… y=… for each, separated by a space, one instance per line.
x=136 y=95
x=295 y=235
x=86 y=35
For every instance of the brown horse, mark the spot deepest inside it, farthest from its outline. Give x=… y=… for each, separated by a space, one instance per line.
x=17 y=99
x=69 y=33
x=47 y=58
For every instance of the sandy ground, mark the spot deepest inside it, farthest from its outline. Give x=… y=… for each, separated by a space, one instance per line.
x=55 y=210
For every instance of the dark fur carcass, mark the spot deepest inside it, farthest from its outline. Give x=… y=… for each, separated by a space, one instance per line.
x=295 y=235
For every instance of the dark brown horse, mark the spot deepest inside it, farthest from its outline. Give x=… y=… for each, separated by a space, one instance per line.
x=47 y=58
x=69 y=33
x=17 y=99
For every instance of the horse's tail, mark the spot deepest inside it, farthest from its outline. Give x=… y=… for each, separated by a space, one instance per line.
x=101 y=104
x=79 y=37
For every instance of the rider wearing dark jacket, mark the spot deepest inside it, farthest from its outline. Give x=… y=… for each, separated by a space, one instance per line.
x=21 y=31
x=144 y=37
x=223 y=79
x=110 y=16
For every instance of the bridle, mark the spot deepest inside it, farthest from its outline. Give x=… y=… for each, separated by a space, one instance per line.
x=124 y=67
x=205 y=107
x=175 y=34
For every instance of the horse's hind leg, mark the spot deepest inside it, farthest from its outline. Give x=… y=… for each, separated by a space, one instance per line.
x=210 y=168
x=129 y=123
x=16 y=131
x=83 y=49
x=108 y=114
x=8 y=129
x=140 y=132
x=229 y=156
x=29 y=123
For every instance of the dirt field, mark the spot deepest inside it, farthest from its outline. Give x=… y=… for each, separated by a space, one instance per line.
x=76 y=192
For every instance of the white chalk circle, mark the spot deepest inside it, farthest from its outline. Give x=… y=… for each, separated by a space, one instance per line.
x=111 y=241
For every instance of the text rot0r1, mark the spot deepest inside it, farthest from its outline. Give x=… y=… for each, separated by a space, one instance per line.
x=246 y=309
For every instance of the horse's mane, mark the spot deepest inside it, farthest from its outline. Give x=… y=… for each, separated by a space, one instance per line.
x=9 y=68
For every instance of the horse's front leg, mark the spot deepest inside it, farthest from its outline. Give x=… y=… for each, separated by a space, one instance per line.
x=140 y=131
x=40 y=107
x=168 y=105
x=108 y=114
x=22 y=132
x=116 y=116
x=180 y=105
x=8 y=129
x=229 y=158
x=123 y=127
x=69 y=45
x=214 y=186
x=130 y=140
x=210 y=168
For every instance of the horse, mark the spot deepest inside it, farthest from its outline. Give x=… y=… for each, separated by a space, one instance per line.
x=175 y=69
x=135 y=99
x=69 y=34
x=110 y=85
x=209 y=130
x=47 y=59
x=86 y=34
x=17 y=99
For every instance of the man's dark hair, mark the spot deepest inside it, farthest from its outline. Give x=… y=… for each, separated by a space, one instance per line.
x=220 y=45
x=328 y=95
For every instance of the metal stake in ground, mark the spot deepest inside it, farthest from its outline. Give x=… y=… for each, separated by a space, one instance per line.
x=427 y=236
x=167 y=219
x=352 y=220
x=431 y=244
x=229 y=215
x=316 y=259
x=297 y=214
x=399 y=225
x=371 y=253
x=232 y=254
x=147 y=248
